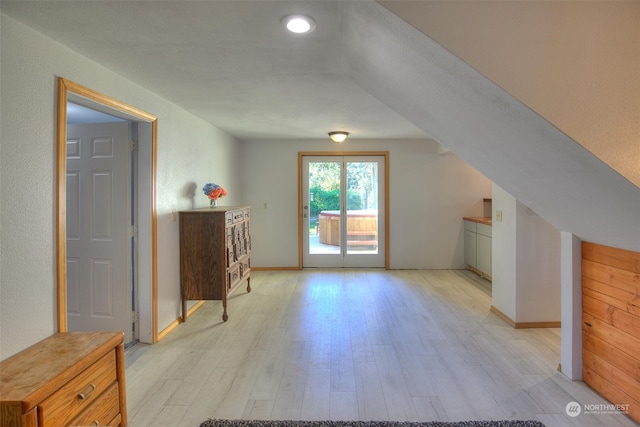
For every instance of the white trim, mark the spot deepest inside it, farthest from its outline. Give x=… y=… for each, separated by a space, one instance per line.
x=571 y=311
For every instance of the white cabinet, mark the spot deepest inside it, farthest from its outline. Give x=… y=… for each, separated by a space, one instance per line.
x=477 y=247
x=483 y=249
x=470 y=243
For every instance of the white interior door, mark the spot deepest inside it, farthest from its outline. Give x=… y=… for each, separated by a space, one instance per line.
x=343 y=211
x=99 y=291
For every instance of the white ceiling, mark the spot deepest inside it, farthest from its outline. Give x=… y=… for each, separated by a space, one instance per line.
x=229 y=62
x=78 y=114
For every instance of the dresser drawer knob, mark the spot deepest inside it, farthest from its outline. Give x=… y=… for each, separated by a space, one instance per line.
x=84 y=394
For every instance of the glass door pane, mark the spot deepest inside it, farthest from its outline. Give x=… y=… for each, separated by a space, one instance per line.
x=362 y=208
x=343 y=211
x=324 y=207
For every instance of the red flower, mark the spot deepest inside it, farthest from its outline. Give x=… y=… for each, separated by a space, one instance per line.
x=214 y=191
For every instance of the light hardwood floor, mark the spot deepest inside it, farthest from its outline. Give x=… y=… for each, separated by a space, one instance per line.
x=355 y=345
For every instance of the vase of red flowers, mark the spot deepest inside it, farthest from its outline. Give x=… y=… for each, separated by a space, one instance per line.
x=213 y=192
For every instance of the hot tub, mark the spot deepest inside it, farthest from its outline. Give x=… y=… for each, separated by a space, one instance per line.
x=362 y=228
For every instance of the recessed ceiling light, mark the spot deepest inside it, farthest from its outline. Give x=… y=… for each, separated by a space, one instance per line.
x=299 y=24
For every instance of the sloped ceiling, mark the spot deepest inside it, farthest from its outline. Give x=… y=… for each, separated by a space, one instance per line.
x=575 y=63
x=494 y=132
x=363 y=69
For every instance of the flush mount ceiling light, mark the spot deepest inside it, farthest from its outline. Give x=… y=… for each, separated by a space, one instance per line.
x=338 y=136
x=299 y=24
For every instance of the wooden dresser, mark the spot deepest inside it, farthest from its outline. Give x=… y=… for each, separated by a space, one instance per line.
x=68 y=379
x=215 y=249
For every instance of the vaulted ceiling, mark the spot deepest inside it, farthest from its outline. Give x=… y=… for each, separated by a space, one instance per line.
x=363 y=69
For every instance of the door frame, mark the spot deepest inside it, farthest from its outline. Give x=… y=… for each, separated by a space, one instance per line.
x=384 y=154
x=66 y=88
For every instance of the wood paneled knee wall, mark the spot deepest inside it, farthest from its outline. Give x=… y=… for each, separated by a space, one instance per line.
x=611 y=324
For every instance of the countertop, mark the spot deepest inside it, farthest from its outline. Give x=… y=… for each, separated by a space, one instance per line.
x=479 y=220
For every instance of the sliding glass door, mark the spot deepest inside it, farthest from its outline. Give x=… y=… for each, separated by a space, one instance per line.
x=343 y=211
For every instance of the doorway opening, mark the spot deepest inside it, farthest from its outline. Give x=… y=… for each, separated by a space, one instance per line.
x=343 y=219
x=145 y=252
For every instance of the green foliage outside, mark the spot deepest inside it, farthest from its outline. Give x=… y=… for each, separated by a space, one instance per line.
x=324 y=188
x=329 y=200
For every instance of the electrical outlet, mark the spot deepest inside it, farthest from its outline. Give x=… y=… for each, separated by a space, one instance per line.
x=499 y=216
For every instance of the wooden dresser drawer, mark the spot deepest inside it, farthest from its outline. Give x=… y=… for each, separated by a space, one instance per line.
x=231 y=256
x=234 y=277
x=245 y=266
x=68 y=379
x=80 y=392
x=228 y=217
x=101 y=412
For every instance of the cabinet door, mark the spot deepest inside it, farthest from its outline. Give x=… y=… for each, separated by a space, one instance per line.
x=484 y=254
x=470 y=256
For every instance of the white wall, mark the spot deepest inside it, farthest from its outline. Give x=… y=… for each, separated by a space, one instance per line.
x=525 y=262
x=571 y=297
x=538 y=264
x=503 y=253
x=189 y=151
x=429 y=195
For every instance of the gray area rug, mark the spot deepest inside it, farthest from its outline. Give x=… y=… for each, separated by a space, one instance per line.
x=256 y=423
